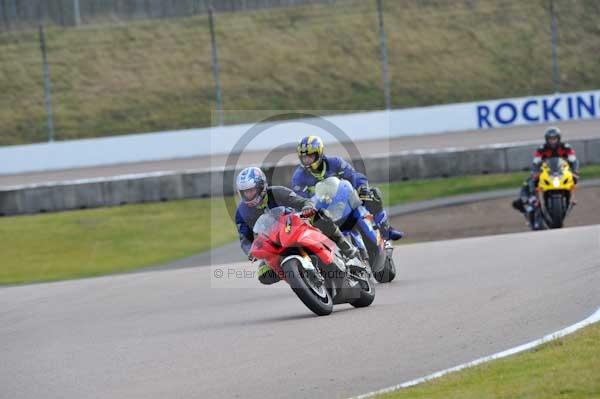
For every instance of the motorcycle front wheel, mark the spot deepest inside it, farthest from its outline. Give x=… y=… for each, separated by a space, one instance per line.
x=557 y=211
x=314 y=295
x=367 y=295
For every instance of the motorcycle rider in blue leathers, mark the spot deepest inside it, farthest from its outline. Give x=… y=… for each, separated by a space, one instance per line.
x=315 y=166
x=257 y=196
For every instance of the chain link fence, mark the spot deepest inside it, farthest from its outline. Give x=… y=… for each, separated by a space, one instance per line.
x=112 y=75
x=15 y=13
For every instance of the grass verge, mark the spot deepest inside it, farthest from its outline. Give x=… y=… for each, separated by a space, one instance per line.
x=566 y=368
x=99 y=241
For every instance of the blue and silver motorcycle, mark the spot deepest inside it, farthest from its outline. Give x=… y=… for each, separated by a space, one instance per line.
x=356 y=223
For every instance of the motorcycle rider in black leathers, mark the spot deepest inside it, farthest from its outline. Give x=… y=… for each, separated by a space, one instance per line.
x=553 y=147
x=257 y=196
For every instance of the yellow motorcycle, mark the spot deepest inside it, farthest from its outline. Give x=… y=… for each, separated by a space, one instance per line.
x=556 y=190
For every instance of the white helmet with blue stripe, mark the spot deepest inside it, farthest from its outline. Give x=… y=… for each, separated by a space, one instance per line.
x=251 y=184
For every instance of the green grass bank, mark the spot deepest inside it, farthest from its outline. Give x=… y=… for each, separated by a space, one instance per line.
x=122 y=78
x=566 y=368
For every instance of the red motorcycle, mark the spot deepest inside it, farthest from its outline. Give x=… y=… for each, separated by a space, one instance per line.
x=310 y=262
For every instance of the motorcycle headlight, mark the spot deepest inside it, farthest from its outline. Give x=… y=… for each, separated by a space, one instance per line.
x=556 y=182
x=325 y=199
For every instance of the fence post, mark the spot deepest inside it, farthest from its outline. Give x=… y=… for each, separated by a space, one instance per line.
x=215 y=64
x=555 y=75
x=11 y=13
x=140 y=9
x=76 y=13
x=3 y=16
x=47 y=87
x=384 y=57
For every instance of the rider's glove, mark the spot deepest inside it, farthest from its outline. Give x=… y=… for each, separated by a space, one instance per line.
x=308 y=211
x=364 y=193
x=252 y=258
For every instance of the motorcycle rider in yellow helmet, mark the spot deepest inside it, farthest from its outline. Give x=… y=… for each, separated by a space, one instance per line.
x=316 y=166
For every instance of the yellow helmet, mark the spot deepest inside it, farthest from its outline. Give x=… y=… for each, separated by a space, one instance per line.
x=310 y=152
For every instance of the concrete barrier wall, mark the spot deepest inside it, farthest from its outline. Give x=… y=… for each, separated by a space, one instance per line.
x=204 y=183
x=335 y=128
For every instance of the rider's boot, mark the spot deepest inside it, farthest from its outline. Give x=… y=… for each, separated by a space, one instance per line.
x=387 y=231
x=266 y=275
x=390 y=233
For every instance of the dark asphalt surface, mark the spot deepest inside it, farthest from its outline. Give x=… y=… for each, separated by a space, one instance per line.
x=184 y=334
x=494 y=216
x=571 y=130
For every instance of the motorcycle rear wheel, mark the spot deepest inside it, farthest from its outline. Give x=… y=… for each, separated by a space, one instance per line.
x=378 y=260
x=367 y=295
x=388 y=273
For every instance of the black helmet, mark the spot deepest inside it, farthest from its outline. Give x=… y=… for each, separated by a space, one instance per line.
x=552 y=132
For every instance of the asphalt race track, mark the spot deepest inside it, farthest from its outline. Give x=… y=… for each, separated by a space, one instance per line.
x=572 y=130
x=489 y=217
x=172 y=334
x=184 y=333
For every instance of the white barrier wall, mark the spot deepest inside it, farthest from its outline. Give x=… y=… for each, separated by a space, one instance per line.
x=360 y=126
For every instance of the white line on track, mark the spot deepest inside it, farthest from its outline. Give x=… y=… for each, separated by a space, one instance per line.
x=594 y=318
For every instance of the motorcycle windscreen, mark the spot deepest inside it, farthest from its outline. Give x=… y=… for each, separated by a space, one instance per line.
x=326 y=190
x=268 y=222
x=335 y=195
x=555 y=166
